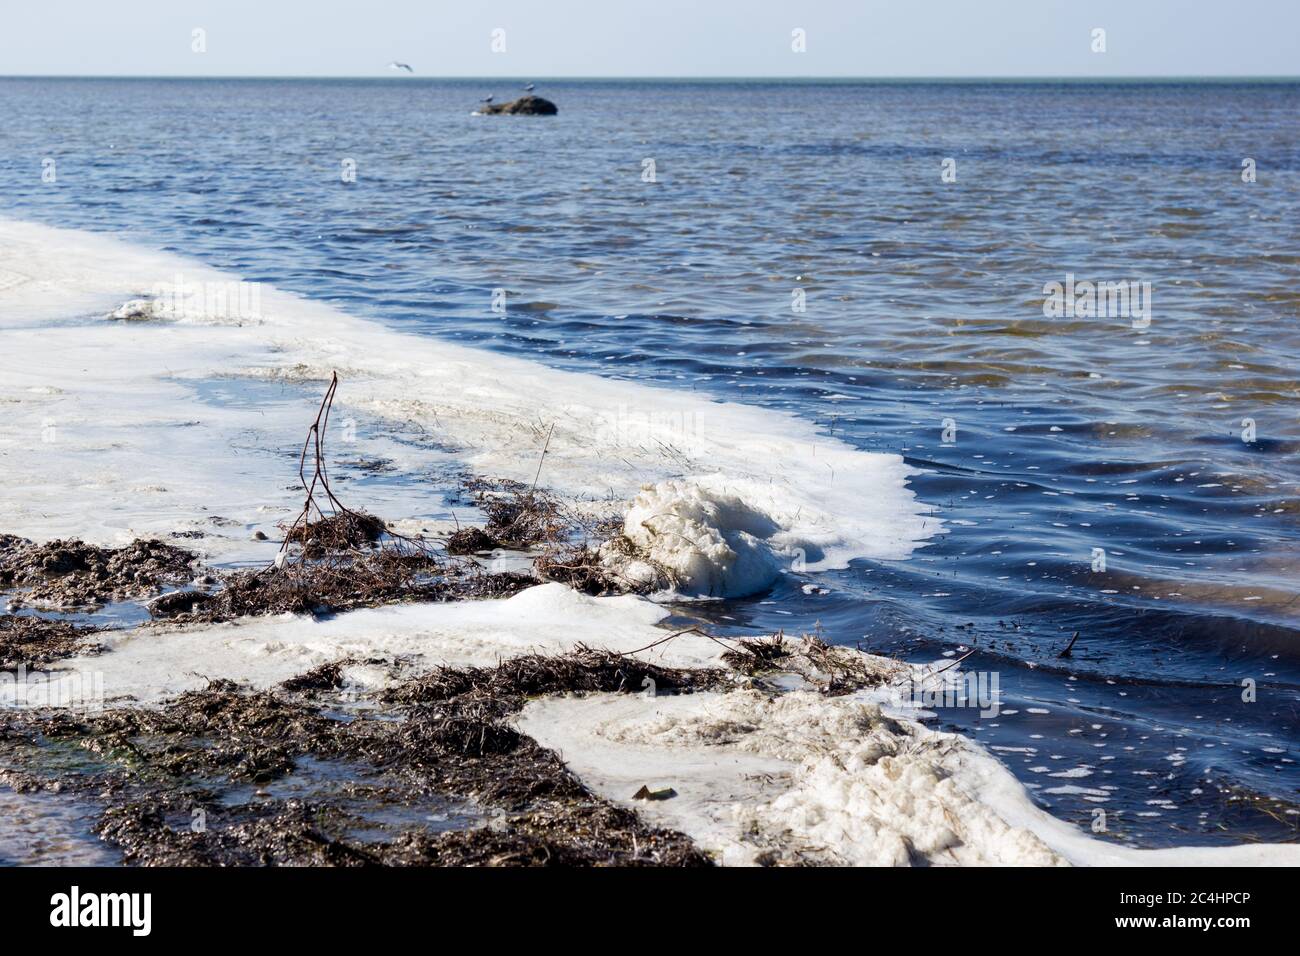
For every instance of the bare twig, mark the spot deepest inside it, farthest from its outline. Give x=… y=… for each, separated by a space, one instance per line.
x=542 y=461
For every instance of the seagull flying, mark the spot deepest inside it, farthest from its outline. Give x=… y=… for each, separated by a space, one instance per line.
x=530 y=87
x=400 y=66
x=486 y=99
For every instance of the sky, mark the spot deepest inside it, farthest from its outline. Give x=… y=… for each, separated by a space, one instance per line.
x=552 y=38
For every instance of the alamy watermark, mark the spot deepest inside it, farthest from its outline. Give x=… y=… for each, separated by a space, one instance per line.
x=648 y=425
x=82 y=690
x=178 y=299
x=951 y=688
x=1128 y=299
x=74 y=908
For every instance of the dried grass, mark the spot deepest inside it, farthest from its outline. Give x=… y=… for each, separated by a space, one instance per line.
x=831 y=670
x=70 y=574
x=31 y=642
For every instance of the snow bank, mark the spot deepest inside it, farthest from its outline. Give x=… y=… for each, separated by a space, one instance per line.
x=152 y=663
x=800 y=777
x=104 y=435
x=804 y=778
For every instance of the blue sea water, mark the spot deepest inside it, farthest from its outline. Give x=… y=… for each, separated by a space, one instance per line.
x=923 y=306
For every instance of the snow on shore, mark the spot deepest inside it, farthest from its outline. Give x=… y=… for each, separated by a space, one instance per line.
x=799 y=776
x=104 y=434
x=827 y=780
x=152 y=664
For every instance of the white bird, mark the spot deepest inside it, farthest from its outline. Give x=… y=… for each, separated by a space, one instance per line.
x=530 y=87
x=400 y=66
x=486 y=99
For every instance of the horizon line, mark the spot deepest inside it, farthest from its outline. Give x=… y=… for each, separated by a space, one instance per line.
x=991 y=78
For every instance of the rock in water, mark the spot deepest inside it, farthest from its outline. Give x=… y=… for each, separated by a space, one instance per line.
x=524 y=106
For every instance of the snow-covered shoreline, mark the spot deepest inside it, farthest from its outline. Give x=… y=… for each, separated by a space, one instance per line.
x=117 y=399
x=103 y=438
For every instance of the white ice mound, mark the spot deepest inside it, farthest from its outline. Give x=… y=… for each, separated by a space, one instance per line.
x=720 y=536
x=141 y=310
x=205 y=303
x=710 y=538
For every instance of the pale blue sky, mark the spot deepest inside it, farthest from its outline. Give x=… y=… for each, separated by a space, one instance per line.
x=653 y=38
